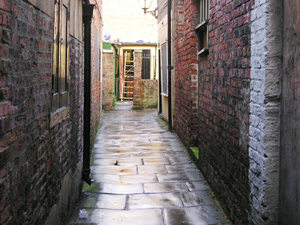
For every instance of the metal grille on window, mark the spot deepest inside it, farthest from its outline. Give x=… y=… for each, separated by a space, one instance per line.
x=202 y=27
x=203 y=10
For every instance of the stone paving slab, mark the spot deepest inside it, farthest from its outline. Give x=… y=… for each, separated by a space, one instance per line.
x=122 y=217
x=201 y=215
x=138 y=179
x=176 y=177
x=197 y=186
x=165 y=187
x=152 y=169
x=144 y=176
x=104 y=201
x=120 y=162
x=120 y=188
x=121 y=170
x=149 y=201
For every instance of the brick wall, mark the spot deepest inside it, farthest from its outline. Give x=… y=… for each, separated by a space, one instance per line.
x=145 y=93
x=137 y=80
x=108 y=79
x=149 y=93
x=40 y=151
x=186 y=64
x=224 y=92
x=218 y=94
x=96 y=72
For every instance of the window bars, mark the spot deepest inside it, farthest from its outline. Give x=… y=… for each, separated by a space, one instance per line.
x=202 y=27
x=203 y=10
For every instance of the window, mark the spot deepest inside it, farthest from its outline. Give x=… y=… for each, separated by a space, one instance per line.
x=164 y=69
x=60 y=56
x=146 y=59
x=202 y=27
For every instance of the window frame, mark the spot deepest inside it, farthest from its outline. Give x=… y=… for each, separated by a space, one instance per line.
x=164 y=69
x=201 y=28
x=146 y=59
x=61 y=55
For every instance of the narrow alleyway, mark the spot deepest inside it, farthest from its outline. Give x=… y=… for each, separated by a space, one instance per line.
x=143 y=176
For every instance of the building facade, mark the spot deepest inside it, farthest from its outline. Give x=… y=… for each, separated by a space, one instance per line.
x=42 y=106
x=235 y=89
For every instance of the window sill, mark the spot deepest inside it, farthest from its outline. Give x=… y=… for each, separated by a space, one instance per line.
x=201 y=26
x=203 y=52
x=164 y=94
x=59 y=115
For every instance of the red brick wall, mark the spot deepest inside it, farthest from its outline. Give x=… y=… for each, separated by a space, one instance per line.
x=137 y=81
x=96 y=79
x=186 y=63
x=223 y=98
x=108 y=79
x=37 y=160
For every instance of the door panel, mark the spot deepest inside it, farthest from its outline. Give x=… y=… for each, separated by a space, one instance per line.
x=290 y=118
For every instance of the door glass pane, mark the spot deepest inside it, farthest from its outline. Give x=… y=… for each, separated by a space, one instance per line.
x=146 y=56
x=63 y=49
x=164 y=68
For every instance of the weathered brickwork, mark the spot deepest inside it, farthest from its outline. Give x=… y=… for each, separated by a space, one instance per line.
x=108 y=79
x=264 y=130
x=224 y=92
x=145 y=93
x=149 y=93
x=216 y=98
x=96 y=79
x=137 y=91
x=40 y=151
x=186 y=69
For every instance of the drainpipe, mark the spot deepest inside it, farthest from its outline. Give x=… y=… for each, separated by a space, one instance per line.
x=116 y=71
x=87 y=19
x=170 y=67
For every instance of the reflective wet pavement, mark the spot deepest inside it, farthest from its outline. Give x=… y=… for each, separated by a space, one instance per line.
x=143 y=176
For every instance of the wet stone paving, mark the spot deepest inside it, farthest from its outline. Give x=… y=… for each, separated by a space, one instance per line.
x=143 y=176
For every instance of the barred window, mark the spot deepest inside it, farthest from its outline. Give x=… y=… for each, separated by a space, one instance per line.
x=202 y=27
